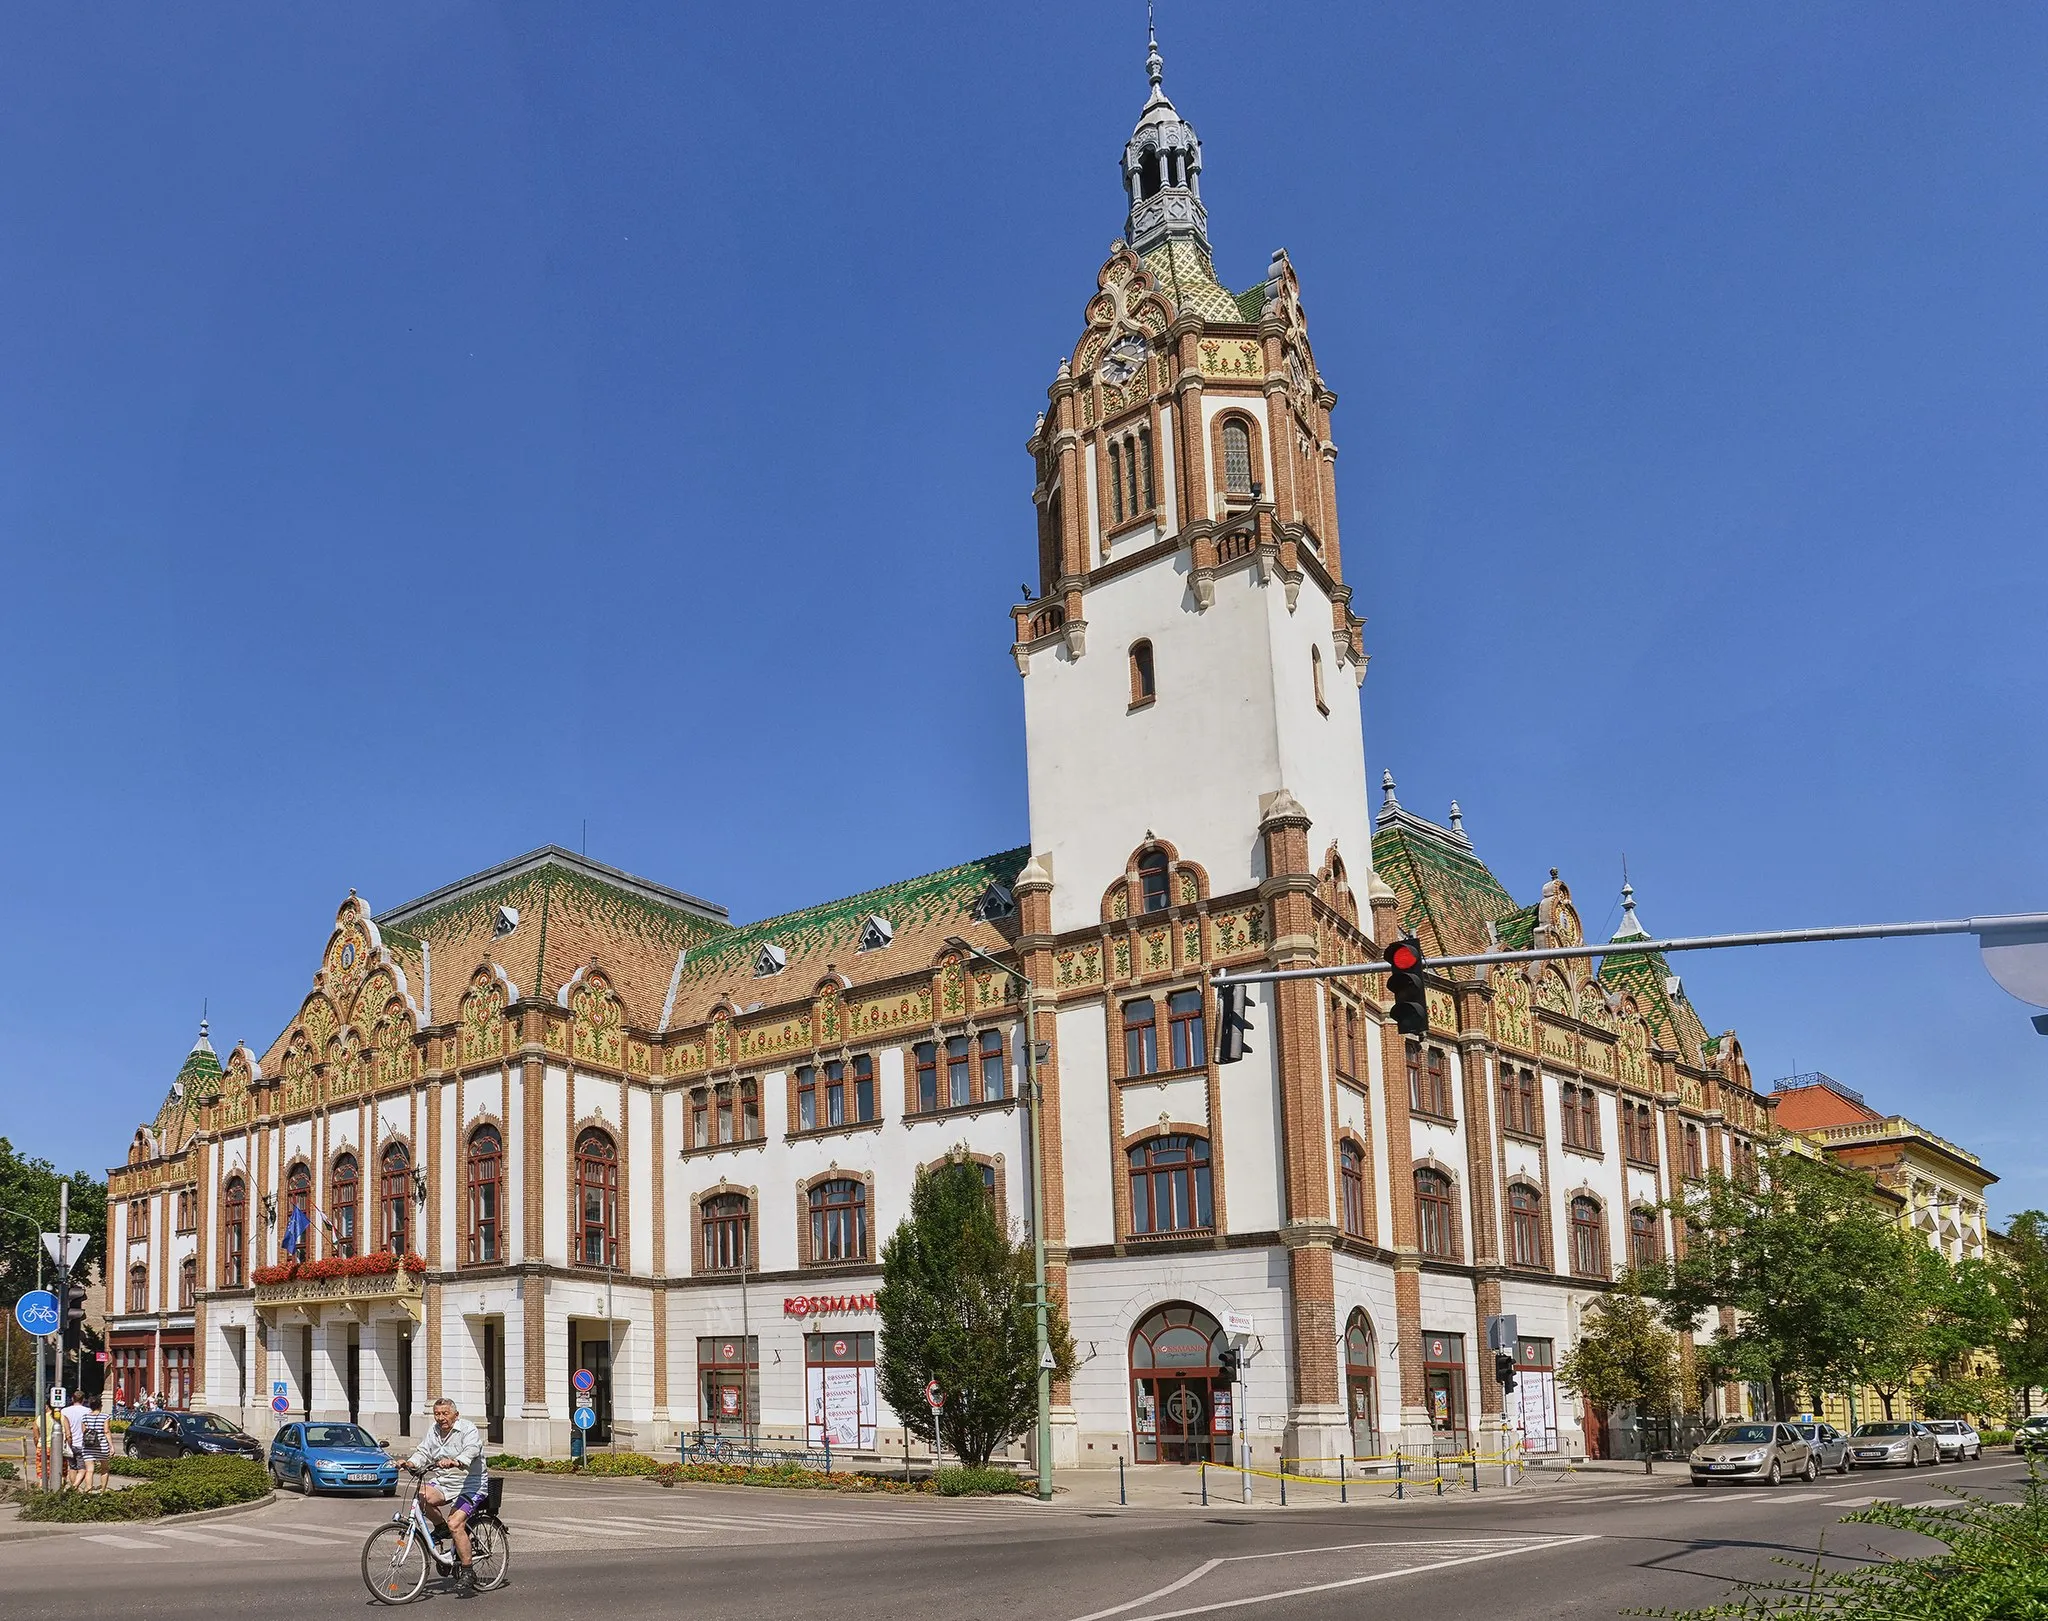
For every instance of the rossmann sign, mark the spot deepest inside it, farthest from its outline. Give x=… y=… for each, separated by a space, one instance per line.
x=826 y=1305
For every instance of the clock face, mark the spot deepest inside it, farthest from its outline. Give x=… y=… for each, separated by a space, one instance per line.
x=1121 y=364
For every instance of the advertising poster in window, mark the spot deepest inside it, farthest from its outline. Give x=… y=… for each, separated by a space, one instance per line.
x=842 y=1404
x=1536 y=1390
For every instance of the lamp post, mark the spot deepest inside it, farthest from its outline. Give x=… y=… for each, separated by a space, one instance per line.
x=1032 y=1095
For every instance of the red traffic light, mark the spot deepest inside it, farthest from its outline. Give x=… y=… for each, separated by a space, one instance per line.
x=1404 y=956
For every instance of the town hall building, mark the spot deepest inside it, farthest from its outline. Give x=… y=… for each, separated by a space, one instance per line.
x=555 y=1117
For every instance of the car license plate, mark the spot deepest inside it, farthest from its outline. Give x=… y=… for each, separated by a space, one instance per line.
x=369 y=1477
x=1722 y=1468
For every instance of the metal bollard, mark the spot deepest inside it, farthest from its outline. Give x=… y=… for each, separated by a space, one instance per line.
x=828 y=1452
x=1342 y=1495
x=1399 y=1489
x=1205 y=1483
x=1283 y=1482
x=1121 y=1499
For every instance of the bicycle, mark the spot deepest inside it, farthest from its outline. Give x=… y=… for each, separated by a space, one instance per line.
x=705 y=1448
x=398 y=1556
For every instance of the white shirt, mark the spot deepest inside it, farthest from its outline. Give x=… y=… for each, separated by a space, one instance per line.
x=455 y=1461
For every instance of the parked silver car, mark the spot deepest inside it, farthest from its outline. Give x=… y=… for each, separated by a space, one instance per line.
x=1956 y=1439
x=1893 y=1441
x=1830 y=1446
x=2031 y=1435
x=1766 y=1452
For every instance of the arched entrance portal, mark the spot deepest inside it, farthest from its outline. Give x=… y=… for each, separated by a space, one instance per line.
x=1179 y=1412
x=1362 y=1385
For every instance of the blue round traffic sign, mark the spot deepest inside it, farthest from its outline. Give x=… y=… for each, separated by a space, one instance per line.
x=280 y=1404
x=584 y=1379
x=36 y=1312
x=585 y=1417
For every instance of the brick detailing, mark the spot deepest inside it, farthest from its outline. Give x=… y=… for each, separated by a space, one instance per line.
x=1408 y=1330
x=1312 y=1289
x=1491 y=1396
x=660 y=1333
x=536 y=1340
x=431 y=1304
x=532 y=1197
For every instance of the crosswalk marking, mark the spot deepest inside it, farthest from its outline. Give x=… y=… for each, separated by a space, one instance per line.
x=1931 y=1502
x=305 y=1539
x=1858 y=1502
x=599 y=1528
x=109 y=1540
x=198 y=1536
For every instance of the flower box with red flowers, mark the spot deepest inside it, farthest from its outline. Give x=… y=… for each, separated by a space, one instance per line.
x=378 y=1275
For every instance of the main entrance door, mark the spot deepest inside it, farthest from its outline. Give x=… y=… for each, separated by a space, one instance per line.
x=1362 y=1387
x=1180 y=1413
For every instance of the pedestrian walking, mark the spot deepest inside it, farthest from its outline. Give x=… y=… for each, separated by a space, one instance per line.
x=76 y=1475
x=99 y=1448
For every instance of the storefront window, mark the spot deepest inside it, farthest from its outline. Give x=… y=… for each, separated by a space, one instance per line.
x=1180 y=1411
x=839 y=1388
x=1443 y=1382
x=1536 y=1393
x=729 y=1384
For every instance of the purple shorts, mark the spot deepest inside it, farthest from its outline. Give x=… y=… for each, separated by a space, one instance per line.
x=467 y=1504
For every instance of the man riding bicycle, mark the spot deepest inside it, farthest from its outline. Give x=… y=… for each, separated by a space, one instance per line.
x=452 y=1455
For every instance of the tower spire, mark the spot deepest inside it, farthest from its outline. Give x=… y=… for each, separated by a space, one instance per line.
x=1162 y=165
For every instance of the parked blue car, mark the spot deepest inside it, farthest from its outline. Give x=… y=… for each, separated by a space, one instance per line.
x=324 y=1457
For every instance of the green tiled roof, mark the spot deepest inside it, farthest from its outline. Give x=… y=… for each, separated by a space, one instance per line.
x=1186 y=277
x=935 y=897
x=1517 y=930
x=1673 y=1023
x=1251 y=303
x=1448 y=896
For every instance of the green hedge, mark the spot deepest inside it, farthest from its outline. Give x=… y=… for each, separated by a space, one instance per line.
x=950 y=1482
x=195 y=1483
x=137 y=1503
x=1995 y=1438
x=978 y=1482
x=139 y=1468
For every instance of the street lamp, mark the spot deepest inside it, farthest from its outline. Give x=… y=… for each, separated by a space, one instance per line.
x=1032 y=1090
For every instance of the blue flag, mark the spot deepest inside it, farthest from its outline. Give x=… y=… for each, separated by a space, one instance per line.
x=295 y=1228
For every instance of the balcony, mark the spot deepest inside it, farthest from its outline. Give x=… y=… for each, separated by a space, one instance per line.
x=360 y=1284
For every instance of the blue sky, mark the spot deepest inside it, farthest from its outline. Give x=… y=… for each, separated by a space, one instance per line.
x=427 y=428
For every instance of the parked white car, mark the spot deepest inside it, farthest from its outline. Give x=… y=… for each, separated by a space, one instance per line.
x=1894 y=1440
x=1956 y=1439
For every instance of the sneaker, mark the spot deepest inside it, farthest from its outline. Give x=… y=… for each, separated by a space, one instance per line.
x=465 y=1579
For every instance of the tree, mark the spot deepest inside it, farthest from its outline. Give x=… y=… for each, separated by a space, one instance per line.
x=1625 y=1355
x=1897 y=1331
x=1802 y=1254
x=957 y=1307
x=28 y=1193
x=2020 y=1275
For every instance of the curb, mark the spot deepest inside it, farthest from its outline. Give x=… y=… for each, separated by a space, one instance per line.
x=16 y=1531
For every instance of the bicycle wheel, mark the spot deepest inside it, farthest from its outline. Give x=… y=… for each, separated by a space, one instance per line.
x=490 y=1551
x=395 y=1564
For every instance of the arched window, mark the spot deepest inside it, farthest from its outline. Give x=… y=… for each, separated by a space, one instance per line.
x=344 y=1193
x=1176 y=1356
x=1155 y=892
x=1170 y=1185
x=1141 y=1036
x=138 y=1287
x=188 y=1283
x=1361 y=1381
x=484 y=1177
x=994 y=1073
x=1645 y=1241
x=1351 y=1180
x=839 y=1220
x=1435 y=1226
x=597 y=1199
x=234 y=1231
x=1144 y=687
x=298 y=1214
x=1148 y=173
x=1525 y=1225
x=394 y=1200
x=1589 y=1247
x=725 y=1222
x=1237 y=457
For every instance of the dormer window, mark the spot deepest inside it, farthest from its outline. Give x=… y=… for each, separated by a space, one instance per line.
x=876 y=933
x=772 y=960
x=1153 y=892
x=996 y=901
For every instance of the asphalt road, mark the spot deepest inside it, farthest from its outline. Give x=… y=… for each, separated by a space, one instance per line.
x=1576 y=1547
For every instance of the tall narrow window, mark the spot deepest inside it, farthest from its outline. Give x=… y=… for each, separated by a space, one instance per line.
x=1531 y=1115
x=1644 y=1241
x=1589 y=1249
x=959 y=1073
x=1351 y=1179
x=485 y=1176
x=297 y=1215
x=839 y=1220
x=1436 y=1078
x=1695 y=1161
x=1141 y=1037
x=343 y=1196
x=807 y=1097
x=835 y=1092
x=188 y=1283
x=1184 y=1026
x=1413 y=1055
x=1525 y=1225
x=234 y=1230
x=597 y=1199
x=1435 y=1229
x=700 y=1118
x=726 y=1233
x=750 y=1111
x=864 y=1086
x=394 y=1199
x=138 y=1287
x=925 y=1056
x=1143 y=686
x=1116 y=482
x=1155 y=893
x=1131 y=473
x=994 y=1077
x=1150 y=499
x=1170 y=1185
x=724 y=1102
x=1237 y=458
x=138 y=1220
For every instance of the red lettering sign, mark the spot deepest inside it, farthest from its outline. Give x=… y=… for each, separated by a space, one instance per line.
x=826 y=1305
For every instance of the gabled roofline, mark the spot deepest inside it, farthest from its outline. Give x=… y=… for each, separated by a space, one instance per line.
x=553 y=855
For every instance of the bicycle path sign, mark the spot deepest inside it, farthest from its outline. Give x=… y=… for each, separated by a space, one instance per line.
x=36 y=1312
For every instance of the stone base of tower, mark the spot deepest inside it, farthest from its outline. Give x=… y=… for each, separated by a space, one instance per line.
x=1317 y=1436
x=1418 y=1435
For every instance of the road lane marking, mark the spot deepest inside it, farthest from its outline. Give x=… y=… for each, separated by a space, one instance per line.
x=108 y=1539
x=200 y=1536
x=1522 y=1545
x=600 y=1528
x=305 y=1539
x=1858 y=1502
x=1933 y=1502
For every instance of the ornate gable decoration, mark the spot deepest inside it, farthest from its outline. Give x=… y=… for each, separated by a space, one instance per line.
x=482 y=1019
x=1513 y=1024
x=597 y=1020
x=1115 y=360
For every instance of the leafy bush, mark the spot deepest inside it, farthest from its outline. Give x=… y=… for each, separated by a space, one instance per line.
x=983 y=1482
x=8 y=1471
x=195 y=1483
x=140 y=1468
x=1995 y=1569
x=137 y=1503
x=1995 y=1438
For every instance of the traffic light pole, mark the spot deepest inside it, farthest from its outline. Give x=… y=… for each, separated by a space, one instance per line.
x=2021 y=931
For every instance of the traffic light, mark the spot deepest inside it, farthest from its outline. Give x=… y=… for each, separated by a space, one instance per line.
x=1504 y=1369
x=73 y=1320
x=1230 y=1364
x=1404 y=984
x=1234 y=1022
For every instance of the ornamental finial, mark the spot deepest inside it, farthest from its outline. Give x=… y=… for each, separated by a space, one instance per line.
x=1155 y=68
x=1387 y=799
